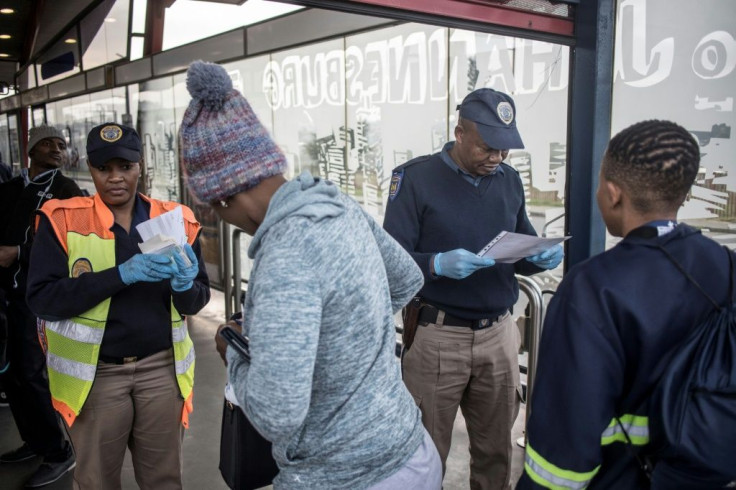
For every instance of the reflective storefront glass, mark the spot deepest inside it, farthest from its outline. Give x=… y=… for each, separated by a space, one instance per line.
x=5 y=157
x=104 y=34
x=76 y=117
x=687 y=75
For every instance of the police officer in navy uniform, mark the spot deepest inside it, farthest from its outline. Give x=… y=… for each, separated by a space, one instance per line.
x=443 y=209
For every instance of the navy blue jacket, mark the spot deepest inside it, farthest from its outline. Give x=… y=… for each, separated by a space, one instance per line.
x=606 y=336
x=437 y=210
x=18 y=204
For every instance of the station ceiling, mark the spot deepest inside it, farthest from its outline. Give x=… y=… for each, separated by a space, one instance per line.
x=33 y=25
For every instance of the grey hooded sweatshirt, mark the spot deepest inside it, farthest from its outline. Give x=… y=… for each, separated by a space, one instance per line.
x=324 y=384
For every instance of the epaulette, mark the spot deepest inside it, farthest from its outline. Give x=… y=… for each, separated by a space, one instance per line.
x=398 y=175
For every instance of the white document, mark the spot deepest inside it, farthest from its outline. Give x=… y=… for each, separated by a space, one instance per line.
x=165 y=234
x=508 y=247
x=169 y=224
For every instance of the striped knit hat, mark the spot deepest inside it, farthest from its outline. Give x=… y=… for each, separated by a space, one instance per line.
x=224 y=149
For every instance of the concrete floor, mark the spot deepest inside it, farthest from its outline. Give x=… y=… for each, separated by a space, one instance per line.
x=201 y=442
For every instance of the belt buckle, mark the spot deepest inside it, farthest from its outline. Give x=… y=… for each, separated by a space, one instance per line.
x=128 y=360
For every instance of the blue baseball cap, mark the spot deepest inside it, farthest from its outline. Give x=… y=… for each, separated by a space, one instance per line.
x=111 y=140
x=494 y=113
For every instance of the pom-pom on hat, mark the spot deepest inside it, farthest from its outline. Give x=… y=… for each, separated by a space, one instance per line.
x=41 y=133
x=223 y=146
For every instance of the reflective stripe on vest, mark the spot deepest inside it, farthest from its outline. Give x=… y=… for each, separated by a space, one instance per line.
x=76 y=331
x=70 y=368
x=183 y=365
x=636 y=426
x=74 y=344
x=548 y=475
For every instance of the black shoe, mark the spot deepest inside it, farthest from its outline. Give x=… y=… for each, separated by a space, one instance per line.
x=49 y=472
x=23 y=453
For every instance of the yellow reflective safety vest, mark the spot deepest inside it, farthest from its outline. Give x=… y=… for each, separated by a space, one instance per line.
x=82 y=226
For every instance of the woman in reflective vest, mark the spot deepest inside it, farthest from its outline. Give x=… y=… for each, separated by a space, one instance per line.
x=120 y=359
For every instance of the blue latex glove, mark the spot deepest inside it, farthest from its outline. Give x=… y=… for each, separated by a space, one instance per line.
x=184 y=277
x=146 y=268
x=459 y=264
x=549 y=259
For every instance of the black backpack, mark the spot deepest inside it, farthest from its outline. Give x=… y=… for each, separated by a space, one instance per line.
x=692 y=409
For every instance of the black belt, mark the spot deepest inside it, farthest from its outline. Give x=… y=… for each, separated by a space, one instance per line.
x=123 y=360
x=428 y=314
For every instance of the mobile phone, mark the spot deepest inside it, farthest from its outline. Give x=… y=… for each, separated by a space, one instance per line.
x=236 y=341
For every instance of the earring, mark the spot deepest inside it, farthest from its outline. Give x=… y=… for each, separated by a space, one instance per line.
x=223 y=204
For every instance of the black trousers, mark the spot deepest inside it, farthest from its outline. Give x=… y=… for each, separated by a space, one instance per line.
x=27 y=385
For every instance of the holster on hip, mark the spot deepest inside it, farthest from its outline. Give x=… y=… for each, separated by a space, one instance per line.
x=410 y=316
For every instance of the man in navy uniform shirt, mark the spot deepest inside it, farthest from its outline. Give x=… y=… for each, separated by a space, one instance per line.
x=443 y=209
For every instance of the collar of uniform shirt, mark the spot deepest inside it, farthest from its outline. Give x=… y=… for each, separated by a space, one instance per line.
x=445 y=155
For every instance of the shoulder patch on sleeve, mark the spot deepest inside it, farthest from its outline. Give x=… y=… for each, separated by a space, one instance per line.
x=396 y=178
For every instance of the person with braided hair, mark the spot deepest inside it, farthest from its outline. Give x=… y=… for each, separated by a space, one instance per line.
x=616 y=316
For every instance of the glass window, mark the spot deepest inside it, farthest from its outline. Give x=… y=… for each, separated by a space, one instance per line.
x=38 y=116
x=189 y=20
x=5 y=157
x=139 y=17
x=158 y=125
x=136 y=47
x=76 y=117
x=104 y=34
x=14 y=140
x=303 y=88
x=396 y=92
x=663 y=71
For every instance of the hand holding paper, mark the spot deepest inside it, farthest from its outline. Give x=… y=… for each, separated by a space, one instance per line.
x=165 y=235
x=508 y=247
x=459 y=264
x=549 y=259
x=146 y=268
x=187 y=270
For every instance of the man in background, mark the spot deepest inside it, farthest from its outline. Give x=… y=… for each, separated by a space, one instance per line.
x=25 y=379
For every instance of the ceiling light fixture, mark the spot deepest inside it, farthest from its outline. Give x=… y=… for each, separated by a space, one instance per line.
x=7 y=11
x=110 y=19
x=5 y=36
x=4 y=55
x=71 y=40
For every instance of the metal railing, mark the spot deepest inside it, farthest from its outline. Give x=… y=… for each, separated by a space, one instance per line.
x=231 y=268
x=536 y=317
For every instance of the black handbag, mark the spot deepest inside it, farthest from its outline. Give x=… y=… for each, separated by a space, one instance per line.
x=246 y=462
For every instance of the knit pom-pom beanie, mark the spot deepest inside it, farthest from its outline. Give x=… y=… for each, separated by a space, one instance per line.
x=209 y=83
x=223 y=147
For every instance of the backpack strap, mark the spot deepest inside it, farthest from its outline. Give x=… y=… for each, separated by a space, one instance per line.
x=644 y=463
x=695 y=283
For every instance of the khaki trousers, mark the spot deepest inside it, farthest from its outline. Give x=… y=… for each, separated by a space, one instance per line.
x=138 y=406
x=477 y=370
